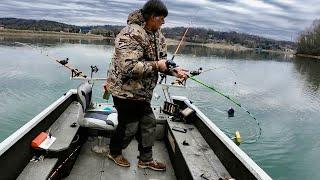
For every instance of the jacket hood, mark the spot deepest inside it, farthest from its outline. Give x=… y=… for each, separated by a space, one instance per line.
x=136 y=18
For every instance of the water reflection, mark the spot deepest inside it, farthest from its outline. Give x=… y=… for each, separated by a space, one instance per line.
x=310 y=70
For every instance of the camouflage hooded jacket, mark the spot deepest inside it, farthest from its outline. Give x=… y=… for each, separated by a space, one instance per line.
x=130 y=75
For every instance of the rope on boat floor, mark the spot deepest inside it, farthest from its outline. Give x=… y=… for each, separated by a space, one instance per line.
x=61 y=165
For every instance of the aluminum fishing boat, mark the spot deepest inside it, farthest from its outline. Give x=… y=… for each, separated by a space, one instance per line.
x=78 y=131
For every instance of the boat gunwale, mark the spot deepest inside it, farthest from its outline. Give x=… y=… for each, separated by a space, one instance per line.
x=18 y=134
x=257 y=171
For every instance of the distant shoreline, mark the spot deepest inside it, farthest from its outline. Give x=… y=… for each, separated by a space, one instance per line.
x=29 y=33
x=24 y=33
x=211 y=45
x=225 y=46
x=308 y=56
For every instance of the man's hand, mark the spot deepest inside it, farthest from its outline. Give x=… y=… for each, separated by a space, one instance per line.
x=162 y=65
x=105 y=87
x=177 y=72
x=180 y=73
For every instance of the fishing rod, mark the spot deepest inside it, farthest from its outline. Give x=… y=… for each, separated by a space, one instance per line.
x=170 y=63
x=65 y=62
x=234 y=102
x=179 y=45
x=237 y=137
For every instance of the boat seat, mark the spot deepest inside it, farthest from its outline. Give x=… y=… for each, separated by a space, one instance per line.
x=98 y=118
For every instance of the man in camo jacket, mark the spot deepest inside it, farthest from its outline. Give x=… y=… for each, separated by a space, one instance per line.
x=140 y=54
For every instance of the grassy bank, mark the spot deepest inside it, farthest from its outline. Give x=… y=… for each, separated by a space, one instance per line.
x=23 y=33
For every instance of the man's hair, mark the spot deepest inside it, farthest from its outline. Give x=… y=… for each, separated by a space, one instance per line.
x=155 y=8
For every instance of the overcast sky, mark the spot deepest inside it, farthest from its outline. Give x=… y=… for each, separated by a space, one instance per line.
x=282 y=19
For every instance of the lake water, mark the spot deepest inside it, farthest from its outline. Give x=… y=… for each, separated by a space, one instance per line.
x=282 y=92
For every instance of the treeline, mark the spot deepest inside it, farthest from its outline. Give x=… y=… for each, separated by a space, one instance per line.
x=106 y=30
x=196 y=35
x=44 y=25
x=202 y=35
x=309 y=40
x=37 y=25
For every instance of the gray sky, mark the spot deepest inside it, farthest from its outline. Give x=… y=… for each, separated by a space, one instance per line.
x=282 y=19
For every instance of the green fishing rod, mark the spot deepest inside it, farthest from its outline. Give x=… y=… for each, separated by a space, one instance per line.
x=234 y=102
x=171 y=65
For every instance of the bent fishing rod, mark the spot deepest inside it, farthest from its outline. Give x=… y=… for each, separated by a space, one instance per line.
x=171 y=64
x=234 y=102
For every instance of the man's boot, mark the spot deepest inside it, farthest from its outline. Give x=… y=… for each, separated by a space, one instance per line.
x=154 y=165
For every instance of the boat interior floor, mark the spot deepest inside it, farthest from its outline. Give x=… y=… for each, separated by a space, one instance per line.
x=91 y=165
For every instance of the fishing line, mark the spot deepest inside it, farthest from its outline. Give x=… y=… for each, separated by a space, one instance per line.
x=222 y=67
x=235 y=82
x=233 y=101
